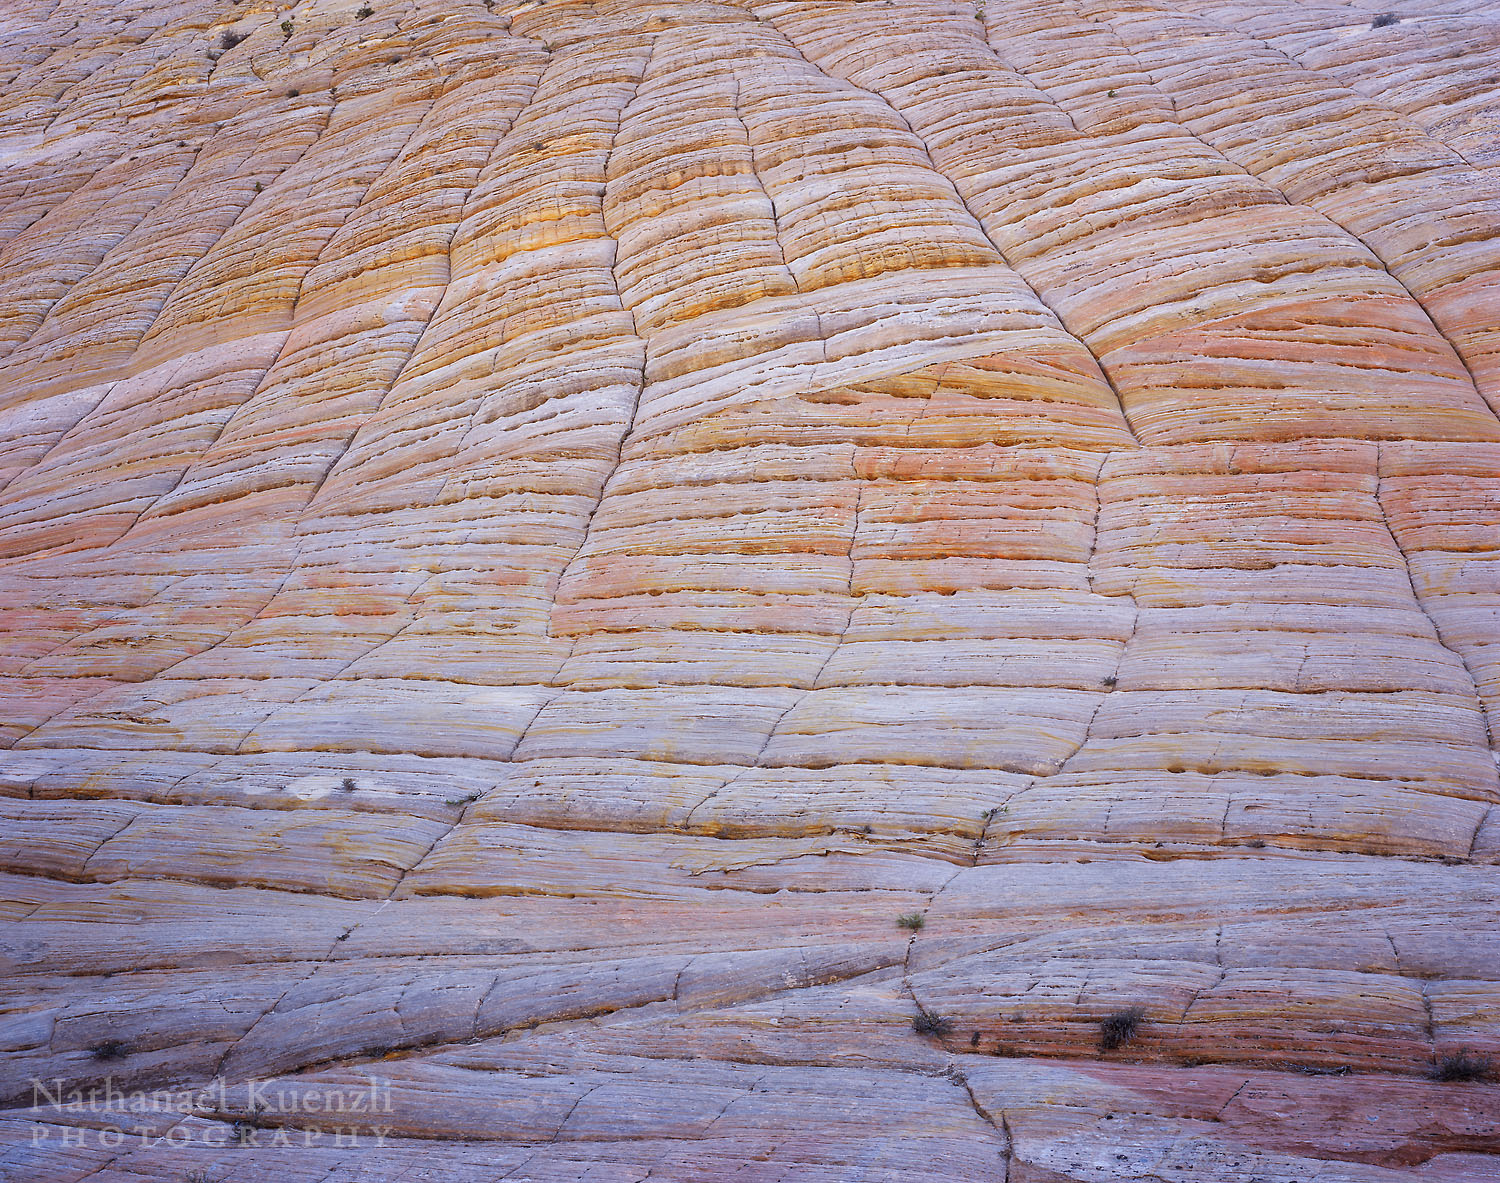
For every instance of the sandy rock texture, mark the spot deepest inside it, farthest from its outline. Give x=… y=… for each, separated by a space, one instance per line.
x=533 y=532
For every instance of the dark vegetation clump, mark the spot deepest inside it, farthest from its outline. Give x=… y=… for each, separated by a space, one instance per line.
x=229 y=39
x=1460 y=1066
x=348 y=784
x=110 y=1049
x=1385 y=19
x=1118 y=1029
x=286 y=29
x=927 y=1023
x=364 y=12
x=911 y=920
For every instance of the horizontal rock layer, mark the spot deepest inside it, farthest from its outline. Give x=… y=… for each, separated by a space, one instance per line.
x=707 y=590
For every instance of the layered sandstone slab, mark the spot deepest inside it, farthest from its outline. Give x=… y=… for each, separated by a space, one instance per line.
x=534 y=532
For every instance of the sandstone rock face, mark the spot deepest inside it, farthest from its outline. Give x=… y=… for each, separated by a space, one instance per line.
x=534 y=532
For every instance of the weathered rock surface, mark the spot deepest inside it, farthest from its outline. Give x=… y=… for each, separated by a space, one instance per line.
x=534 y=532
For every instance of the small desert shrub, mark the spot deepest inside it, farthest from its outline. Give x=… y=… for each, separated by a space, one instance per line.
x=286 y=29
x=911 y=920
x=230 y=38
x=1119 y=1028
x=110 y=1049
x=293 y=93
x=1460 y=1066
x=364 y=12
x=927 y=1023
x=1385 y=19
x=259 y=188
x=348 y=784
